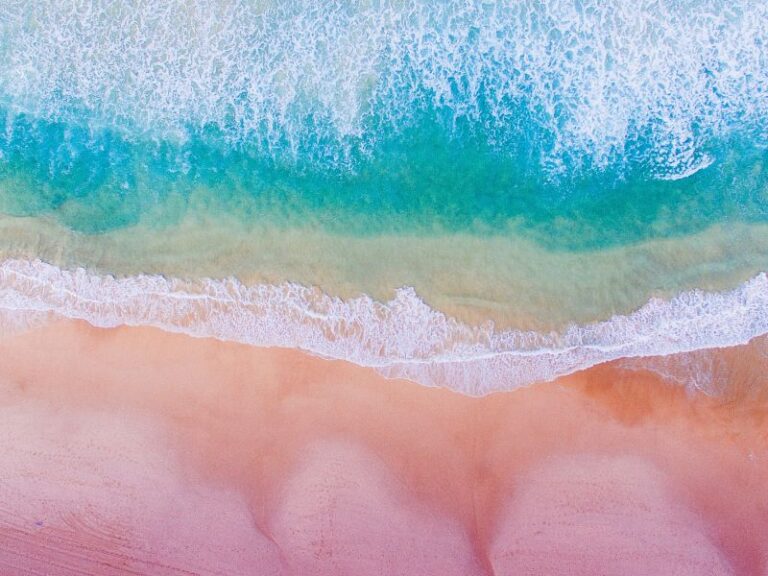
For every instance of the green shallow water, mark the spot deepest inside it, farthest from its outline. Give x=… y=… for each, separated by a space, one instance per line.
x=507 y=279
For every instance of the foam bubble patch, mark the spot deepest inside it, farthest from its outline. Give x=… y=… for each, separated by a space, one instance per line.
x=589 y=83
x=403 y=338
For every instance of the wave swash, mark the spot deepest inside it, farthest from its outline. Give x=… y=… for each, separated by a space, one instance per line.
x=403 y=338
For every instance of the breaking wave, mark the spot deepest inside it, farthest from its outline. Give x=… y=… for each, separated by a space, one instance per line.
x=575 y=81
x=403 y=338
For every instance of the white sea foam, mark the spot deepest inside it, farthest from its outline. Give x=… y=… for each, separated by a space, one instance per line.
x=592 y=74
x=689 y=168
x=401 y=338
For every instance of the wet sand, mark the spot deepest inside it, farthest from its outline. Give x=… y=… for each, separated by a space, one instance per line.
x=134 y=451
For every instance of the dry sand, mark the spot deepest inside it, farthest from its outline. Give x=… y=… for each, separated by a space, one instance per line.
x=133 y=451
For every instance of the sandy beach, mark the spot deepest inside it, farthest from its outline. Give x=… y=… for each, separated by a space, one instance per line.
x=383 y=288
x=134 y=451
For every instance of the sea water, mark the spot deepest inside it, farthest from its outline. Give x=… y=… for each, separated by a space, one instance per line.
x=519 y=166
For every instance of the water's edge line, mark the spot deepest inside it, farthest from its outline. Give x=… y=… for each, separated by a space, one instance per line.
x=403 y=338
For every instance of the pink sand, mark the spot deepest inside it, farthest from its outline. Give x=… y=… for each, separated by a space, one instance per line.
x=133 y=451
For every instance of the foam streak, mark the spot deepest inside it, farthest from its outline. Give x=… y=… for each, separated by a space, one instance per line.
x=593 y=75
x=401 y=338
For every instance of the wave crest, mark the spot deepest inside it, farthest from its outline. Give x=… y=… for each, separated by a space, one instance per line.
x=403 y=338
x=329 y=77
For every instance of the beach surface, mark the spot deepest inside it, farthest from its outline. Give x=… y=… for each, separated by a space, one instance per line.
x=391 y=288
x=135 y=451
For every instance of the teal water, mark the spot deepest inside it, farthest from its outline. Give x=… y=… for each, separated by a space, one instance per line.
x=422 y=180
x=579 y=125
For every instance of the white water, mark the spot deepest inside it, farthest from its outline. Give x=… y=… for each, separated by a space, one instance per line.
x=401 y=338
x=590 y=74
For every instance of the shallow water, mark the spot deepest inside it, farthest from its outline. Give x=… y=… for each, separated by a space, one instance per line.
x=524 y=167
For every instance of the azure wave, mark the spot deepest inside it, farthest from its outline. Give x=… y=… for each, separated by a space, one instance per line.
x=572 y=84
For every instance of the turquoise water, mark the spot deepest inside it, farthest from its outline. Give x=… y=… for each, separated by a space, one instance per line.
x=422 y=180
x=577 y=124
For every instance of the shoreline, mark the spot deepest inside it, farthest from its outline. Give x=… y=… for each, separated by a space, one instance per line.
x=402 y=338
x=383 y=288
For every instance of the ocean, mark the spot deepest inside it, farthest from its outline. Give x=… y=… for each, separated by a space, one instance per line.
x=414 y=184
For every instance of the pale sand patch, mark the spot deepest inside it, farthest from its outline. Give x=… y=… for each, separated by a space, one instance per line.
x=344 y=512
x=583 y=515
x=203 y=455
x=91 y=492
